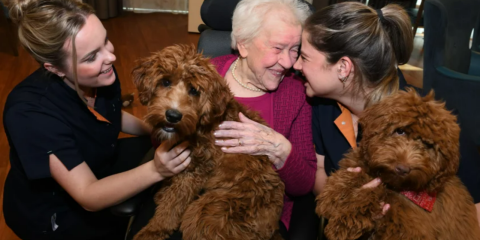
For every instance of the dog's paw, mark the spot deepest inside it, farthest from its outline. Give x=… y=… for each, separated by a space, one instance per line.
x=346 y=229
x=351 y=209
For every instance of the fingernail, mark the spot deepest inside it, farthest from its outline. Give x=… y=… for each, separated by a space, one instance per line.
x=215 y=133
x=224 y=148
x=218 y=141
x=378 y=180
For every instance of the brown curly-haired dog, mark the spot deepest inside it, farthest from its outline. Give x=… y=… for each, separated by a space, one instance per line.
x=412 y=145
x=219 y=195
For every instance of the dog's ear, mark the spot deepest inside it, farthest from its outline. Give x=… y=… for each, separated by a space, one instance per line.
x=445 y=141
x=144 y=80
x=219 y=98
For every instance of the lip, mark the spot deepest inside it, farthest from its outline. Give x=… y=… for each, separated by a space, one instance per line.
x=107 y=71
x=277 y=72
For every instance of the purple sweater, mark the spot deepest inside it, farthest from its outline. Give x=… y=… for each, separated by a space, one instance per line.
x=292 y=117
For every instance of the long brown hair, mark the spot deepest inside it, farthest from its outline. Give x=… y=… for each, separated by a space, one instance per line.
x=375 y=42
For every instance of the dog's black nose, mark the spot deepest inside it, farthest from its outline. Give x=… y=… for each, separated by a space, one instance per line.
x=402 y=169
x=173 y=116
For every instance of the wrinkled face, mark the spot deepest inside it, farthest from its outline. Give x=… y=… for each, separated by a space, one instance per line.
x=179 y=87
x=410 y=143
x=272 y=53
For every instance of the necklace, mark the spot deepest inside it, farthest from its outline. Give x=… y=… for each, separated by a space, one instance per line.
x=255 y=89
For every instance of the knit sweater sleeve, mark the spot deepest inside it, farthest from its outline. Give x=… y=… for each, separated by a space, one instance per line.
x=298 y=172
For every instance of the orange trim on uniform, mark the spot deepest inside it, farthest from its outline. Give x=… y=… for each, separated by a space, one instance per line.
x=98 y=115
x=345 y=125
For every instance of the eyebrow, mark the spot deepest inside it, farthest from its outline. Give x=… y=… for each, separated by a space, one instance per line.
x=94 y=51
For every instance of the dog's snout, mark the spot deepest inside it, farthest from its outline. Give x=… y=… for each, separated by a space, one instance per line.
x=173 y=116
x=402 y=169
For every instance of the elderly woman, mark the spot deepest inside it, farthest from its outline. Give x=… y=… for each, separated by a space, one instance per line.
x=267 y=35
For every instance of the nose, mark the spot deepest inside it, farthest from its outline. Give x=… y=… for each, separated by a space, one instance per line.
x=402 y=169
x=173 y=116
x=286 y=60
x=111 y=57
x=297 y=65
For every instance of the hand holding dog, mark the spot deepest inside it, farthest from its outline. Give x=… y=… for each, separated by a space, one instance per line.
x=352 y=202
x=372 y=184
x=171 y=161
x=250 y=137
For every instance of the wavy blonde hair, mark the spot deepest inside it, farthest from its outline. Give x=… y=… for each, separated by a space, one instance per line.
x=45 y=25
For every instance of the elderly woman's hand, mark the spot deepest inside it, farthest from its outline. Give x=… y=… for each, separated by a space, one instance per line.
x=253 y=138
x=372 y=184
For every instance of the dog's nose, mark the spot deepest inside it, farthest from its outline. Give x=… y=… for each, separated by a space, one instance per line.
x=402 y=169
x=173 y=116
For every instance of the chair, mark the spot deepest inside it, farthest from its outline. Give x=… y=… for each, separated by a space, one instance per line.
x=11 y=37
x=448 y=63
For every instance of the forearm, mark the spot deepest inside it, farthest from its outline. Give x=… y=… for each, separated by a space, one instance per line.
x=320 y=181
x=477 y=206
x=133 y=125
x=117 y=188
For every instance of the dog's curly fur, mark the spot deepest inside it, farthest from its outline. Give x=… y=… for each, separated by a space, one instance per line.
x=412 y=144
x=219 y=195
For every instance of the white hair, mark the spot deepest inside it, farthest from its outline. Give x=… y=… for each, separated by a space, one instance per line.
x=250 y=14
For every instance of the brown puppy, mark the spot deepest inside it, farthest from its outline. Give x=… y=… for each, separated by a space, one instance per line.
x=219 y=195
x=412 y=145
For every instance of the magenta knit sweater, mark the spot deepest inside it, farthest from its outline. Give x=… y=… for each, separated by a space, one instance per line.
x=292 y=117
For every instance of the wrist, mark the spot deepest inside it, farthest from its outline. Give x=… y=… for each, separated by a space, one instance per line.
x=156 y=176
x=283 y=150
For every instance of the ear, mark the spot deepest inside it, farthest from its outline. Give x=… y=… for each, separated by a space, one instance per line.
x=54 y=70
x=242 y=49
x=345 y=67
x=143 y=78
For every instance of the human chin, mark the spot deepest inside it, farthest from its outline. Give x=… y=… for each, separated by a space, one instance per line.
x=106 y=77
x=308 y=90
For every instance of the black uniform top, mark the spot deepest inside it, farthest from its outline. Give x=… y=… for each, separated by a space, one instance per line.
x=42 y=116
x=330 y=142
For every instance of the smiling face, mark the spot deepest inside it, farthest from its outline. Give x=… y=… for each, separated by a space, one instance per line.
x=321 y=76
x=94 y=56
x=272 y=53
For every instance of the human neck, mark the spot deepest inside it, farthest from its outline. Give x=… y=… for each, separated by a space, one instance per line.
x=242 y=73
x=84 y=91
x=355 y=104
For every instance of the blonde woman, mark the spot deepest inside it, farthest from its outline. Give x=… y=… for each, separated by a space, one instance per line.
x=62 y=124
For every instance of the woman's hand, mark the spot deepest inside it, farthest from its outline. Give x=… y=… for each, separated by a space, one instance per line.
x=372 y=184
x=250 y=137
x=171 y=161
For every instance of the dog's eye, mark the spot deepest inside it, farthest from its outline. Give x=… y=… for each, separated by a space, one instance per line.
x=166 y=83
x=399 y=131
x=193 y=92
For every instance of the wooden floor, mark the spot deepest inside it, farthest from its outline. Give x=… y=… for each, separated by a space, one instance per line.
x=134 y=36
